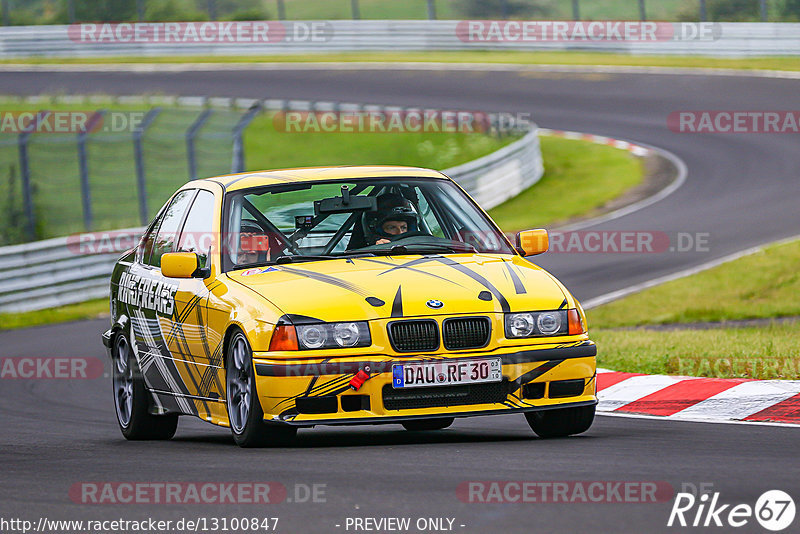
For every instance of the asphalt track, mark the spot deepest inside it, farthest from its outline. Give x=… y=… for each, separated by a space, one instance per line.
x=742 y=190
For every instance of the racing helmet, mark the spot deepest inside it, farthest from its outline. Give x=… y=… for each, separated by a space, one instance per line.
x=391 y=207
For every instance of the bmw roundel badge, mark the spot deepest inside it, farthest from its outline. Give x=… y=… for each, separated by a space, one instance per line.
x=435 y=304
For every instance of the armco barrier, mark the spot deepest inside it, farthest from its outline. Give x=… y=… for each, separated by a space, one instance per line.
x=50 y=273
x=720 y=39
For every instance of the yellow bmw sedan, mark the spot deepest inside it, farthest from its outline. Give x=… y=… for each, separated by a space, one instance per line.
x=270 y=301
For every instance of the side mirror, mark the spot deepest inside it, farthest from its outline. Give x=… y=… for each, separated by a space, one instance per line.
x=532 y=242
x=179 y=264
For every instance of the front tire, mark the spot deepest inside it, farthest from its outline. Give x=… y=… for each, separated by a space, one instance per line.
x=437 y=423
x=132 y=400
x=245 y=414
x=561 y=422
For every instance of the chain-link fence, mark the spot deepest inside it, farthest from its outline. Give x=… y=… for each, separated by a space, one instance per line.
x=73 y=171
x=30 y=12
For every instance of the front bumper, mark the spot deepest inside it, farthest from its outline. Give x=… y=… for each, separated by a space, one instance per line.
x=313 y=391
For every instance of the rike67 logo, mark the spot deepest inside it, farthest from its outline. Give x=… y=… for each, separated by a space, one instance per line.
x=774 y=510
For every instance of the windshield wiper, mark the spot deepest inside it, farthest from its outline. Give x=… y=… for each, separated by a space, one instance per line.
x=426 y=249
x=299 y=258
x=294 y=258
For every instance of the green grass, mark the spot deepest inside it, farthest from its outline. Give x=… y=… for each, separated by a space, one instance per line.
x=762 y=285
x=91 y=309
x=267 y=148
x=789 y=63
x=579 y=176
x=55 y=174
x=768 y=352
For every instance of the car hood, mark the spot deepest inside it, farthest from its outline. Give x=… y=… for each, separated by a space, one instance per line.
x=405 y=286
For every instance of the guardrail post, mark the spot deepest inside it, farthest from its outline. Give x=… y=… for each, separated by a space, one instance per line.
x=703 y=11
x=71 y=10
x=25 y=175
x=191 y=133
x=355 y=10
x=140 y=10
x=212 y=9
x=763 y=10
x=138 y=155
x=6 y=20
x=238 y=143
x=281 y=10
x=431 y=9
x=83 y=166
x=576 y=10
x=642 y=10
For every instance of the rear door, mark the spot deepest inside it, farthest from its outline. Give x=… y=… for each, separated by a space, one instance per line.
x=156 y=304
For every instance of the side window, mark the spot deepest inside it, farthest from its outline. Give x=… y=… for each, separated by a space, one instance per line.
x=170 y=224
x=428 y=216
x=197 y=235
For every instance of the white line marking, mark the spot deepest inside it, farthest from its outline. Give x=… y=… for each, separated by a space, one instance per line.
x=400 y=65
x=679 y=180
x=633 y=388
x=687 y=420
x=614 y=295
x=742 y=400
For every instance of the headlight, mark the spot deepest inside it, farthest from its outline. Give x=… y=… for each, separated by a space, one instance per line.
x=536 y=324
x=520 y=324
x=333 y=335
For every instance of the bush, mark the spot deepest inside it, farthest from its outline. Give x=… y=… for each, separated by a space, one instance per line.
x=721 y=10
x=493 y=9
x=791 y=10
x=173 y=11
x=248 y=14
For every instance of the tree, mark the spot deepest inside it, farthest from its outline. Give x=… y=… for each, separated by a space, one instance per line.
x=508 y=8
x=791 y=10
x=734 y=10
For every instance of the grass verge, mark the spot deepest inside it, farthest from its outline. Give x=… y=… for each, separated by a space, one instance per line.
x=760 y=286
x=789 y=63
x=768 y=352
x=91 y=309
x=579 y=177
x=566 y=160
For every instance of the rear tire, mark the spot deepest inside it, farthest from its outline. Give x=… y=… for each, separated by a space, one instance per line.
x=245 y=414
x=132 y=400
x=437 y=423
x=561 y=422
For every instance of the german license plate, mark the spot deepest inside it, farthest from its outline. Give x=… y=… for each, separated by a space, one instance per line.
x=446 y=373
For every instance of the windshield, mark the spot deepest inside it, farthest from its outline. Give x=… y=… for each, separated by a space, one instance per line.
x=322 y=220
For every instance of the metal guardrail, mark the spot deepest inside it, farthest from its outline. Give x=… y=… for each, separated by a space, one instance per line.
x=286 y=37
x=55 y=272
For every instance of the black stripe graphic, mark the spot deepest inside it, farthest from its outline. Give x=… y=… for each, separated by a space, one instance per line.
x=327 y=279
x=478 y=278
x=397 y=305
x=518 y=286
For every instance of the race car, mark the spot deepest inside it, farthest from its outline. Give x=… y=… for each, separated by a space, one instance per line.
x=271 y=301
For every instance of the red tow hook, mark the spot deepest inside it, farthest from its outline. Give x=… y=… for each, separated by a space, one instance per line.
x=358 y=380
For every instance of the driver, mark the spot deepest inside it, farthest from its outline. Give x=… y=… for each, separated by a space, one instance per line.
x=395 y=222
x=253 y=244
x=395 y=216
